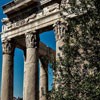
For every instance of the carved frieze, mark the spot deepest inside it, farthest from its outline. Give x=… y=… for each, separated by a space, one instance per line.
x=8 y=46
x=33 y=16
x=48 y=10
x=32 y=40
x=29 y=15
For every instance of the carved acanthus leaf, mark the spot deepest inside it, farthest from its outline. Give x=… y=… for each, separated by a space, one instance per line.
x=60 y=29
x=32 y=40
x=8 y=47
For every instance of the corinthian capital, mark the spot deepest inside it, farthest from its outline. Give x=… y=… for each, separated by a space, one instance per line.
x=60 y=29
x=32 y=40
x=7 y=46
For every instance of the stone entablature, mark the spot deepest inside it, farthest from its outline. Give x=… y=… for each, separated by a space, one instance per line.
x=45 y=12
x=16 y=5
x=46 y=51
x=38 y=20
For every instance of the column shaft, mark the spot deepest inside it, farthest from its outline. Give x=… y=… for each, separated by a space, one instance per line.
x=43 y=80
x=60 y=29
x=31 y=69
x=7 y=72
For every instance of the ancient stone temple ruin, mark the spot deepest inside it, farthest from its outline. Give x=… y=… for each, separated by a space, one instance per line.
x=25 y=20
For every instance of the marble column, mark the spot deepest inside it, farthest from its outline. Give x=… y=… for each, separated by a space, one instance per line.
x=7 y=70
x=31 y=87
x=43 y=79
x=60 y=28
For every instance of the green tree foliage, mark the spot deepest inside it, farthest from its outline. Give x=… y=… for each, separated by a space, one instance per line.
x=78 y=71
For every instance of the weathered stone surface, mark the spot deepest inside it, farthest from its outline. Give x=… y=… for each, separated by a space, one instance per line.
x=23 y=17
x=7 y=72
x=32 y=40
x=7 y=46
x=16 y=5
x=27 y=21
x=60 y=29
x=31 y=70
x=43 y=79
